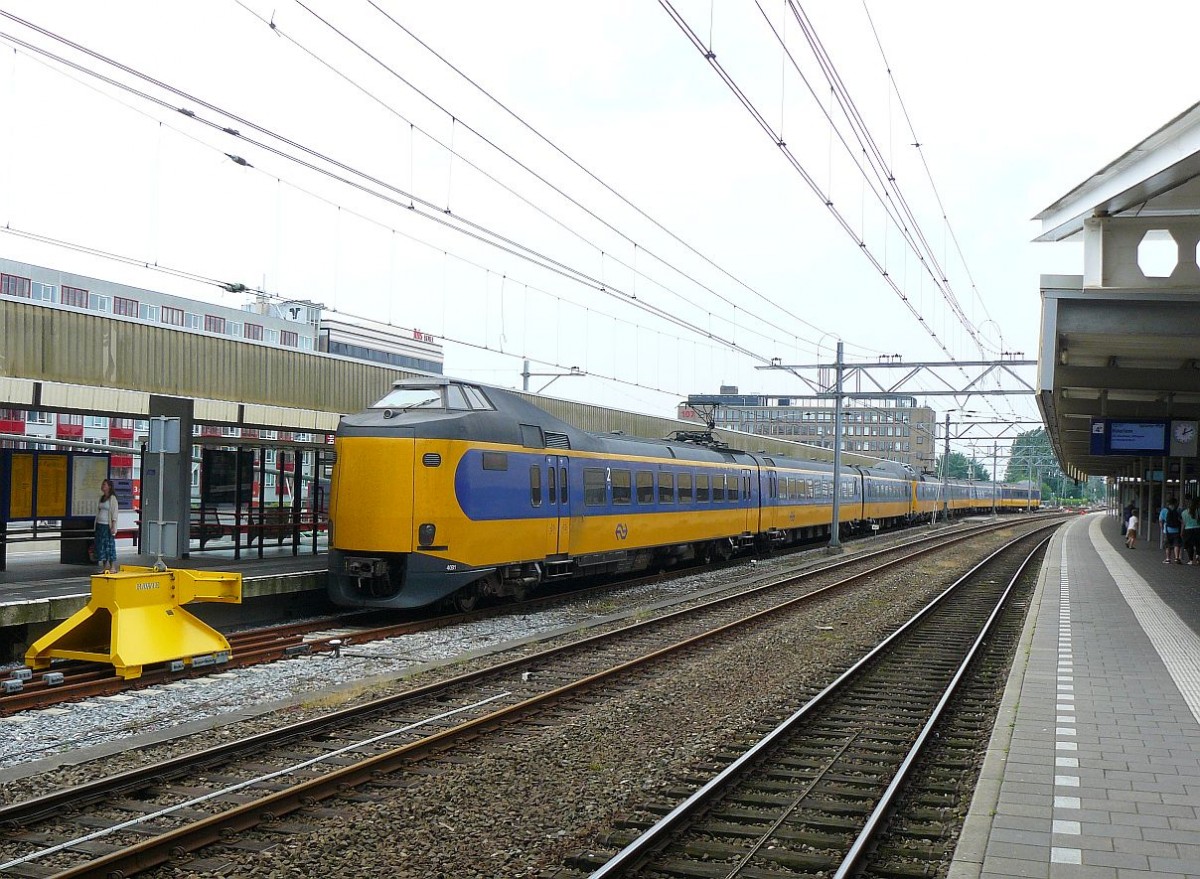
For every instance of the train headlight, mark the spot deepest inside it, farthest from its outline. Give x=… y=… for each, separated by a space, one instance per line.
x=425 y=533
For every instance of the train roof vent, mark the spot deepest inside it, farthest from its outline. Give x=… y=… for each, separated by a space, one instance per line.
x=557 y=440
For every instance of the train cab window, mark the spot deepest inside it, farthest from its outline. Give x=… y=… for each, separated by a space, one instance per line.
x=645 y=487
x=455 y=398
x=405 y=399
x=702 y=490
x=476 y=398
x=622 y=487
x=666 y=488
x=594 y=489
x=562 y=486
x=495 y=460
x=551 y=484
x=531 y=437
x=535 y=485
x=685 y=488
x=718 y=488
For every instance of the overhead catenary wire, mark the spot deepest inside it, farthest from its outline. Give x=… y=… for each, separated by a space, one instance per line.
x=812 y=183
x=916 y=236
x=556 y=148
x=455 y=154
x=432 y=211
x=427 y=210
x=918 y=145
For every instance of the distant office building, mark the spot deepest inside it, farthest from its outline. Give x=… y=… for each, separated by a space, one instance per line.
x=892 y=429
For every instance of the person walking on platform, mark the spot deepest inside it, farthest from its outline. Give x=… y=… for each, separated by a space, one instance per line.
x=1131 y=526
x=1173 y=532
x=1191 y=531
x=106 y=528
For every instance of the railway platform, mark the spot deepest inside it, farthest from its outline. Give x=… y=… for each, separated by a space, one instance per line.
x=37 y=591
x=1093 y=770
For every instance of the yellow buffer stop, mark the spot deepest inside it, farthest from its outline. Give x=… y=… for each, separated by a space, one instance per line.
x=135 y=619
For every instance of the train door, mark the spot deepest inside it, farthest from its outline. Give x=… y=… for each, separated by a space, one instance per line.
x=560 y=502
x=749 y=500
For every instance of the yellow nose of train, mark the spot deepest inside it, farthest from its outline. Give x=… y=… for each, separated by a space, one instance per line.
x=371 y=500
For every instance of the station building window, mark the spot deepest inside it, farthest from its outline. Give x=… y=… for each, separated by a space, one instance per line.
x=15 y=285
x=172 y=316
x=99 y=302
x=148 y=313
x=252 y=331
x=289 y=339
x=214 y=324
x=125 y=307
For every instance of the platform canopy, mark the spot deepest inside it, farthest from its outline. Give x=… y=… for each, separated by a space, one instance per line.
x=1118 y=380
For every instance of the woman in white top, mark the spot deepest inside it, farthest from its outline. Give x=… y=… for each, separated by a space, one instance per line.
x=106 y=529
x=1131 y=529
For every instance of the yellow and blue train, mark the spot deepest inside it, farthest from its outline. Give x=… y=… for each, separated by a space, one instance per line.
x=447 y=490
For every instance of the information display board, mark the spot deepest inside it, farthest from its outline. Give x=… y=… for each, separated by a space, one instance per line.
x=1130 y=437
x=20 y=491
x=51 y=485
x=87 y=472
x=1138 y=437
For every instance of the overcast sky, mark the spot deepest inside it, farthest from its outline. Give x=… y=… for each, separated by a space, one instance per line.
x=628 y=216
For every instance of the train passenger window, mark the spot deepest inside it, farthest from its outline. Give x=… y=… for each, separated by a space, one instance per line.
x=746 y=492
x=535 y=485
x=552 y=483
x=562 y=485
x=621 y=486
x=702 y=492
x=718 y=487
x=666 y=488
x=594 y=489
x=809 y=489
x=495 y=460
x=773 y=485
x=645 y=487
x=685 y=488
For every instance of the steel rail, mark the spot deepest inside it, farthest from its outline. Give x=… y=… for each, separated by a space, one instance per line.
x=632 y=855
x=25 y=810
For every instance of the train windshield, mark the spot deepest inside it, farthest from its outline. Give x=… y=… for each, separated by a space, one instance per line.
x=405 y=399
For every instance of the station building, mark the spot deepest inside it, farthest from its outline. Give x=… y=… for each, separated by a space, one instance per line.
x=259 y=321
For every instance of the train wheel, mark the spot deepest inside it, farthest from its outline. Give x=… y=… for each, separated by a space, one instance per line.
x=466 y=599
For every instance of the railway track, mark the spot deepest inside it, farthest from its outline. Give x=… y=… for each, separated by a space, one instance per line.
x=124 y=824
x=814 y=795
x=84 y=680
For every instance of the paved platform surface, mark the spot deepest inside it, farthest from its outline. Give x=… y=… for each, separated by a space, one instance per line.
x=1094 y=766
x=35 y=574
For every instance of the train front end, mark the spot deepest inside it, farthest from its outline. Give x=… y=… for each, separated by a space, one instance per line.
x=389 y=499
